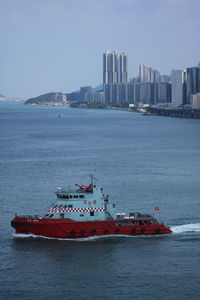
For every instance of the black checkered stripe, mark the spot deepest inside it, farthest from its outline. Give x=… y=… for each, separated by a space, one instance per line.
x=63 y=210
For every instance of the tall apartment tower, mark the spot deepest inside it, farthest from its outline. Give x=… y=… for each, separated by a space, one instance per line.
x=177 y=78
x=147 y=74
x=192 y=82
x=114 y=67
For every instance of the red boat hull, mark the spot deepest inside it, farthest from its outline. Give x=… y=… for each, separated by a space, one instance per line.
x=67 y=228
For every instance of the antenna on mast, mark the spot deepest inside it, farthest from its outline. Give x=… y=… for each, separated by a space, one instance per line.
x=93 y=178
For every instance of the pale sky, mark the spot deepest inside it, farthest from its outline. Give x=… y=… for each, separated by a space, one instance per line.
x=57 y=45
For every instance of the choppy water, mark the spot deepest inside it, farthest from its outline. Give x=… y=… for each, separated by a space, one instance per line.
x=142 y=162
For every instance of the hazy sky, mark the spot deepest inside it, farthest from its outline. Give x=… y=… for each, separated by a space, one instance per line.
x=57 y=45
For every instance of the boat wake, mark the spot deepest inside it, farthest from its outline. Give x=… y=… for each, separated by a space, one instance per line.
x=193 y=227
x=34 y=236
x=91 y=238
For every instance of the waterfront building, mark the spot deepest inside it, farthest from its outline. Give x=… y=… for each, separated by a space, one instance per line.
x=114 y=67
x=177 y=78
x=122 y=93
x=147 y=88
x=157 y=76
x=148 y=93
x=116 y=93
x=184 y=87
x=115 y=76
x=147 y=74
x=84 y=92
x=107 y=93
x=61 y=98
x=144 y=73
x=164 y=93
x=74 y=97
x=97 y=96
x=143 y=93
x=196 y=101
x=131 y=92
x=136 y=92
x=192 y=83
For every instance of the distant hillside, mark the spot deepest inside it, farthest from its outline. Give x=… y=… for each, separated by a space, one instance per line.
x=48 y=99
x=4 y=98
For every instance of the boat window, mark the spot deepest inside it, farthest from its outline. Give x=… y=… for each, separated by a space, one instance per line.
x=75 y=196
x=62 y=215
x=135 y=223
x=65 y=206
x=81 y=215
x=81 y=196
x=70 y=196
x=55 y=206
x=51 y=215
x=148 y=222
x=92 y=213
x=70 y=206
x=46 y=215
x=123 y=223
x=60 y=206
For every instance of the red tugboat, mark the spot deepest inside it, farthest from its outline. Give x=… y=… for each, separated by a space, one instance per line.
x=84 y=212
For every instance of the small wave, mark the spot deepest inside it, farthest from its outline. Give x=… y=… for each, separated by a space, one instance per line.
x=186 y=228
x=86 y=239
x=34 y=236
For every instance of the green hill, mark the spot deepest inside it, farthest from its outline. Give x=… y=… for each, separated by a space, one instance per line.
x=48 y=99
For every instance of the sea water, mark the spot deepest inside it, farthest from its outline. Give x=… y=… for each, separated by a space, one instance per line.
x=142 y=162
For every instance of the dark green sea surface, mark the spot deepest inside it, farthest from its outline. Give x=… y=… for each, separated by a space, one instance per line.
x=142 y=162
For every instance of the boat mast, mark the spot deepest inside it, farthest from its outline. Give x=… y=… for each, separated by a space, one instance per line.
x=93 y=179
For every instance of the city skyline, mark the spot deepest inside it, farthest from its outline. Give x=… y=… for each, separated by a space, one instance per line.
x=57 y=45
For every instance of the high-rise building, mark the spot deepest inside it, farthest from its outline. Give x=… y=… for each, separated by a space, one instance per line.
x=165 y=78
x=196 y=101
x=147 y=88
x=164 y=92
x=115 y=76
x=177 y=78
x=84 y=92
x=147 y=74
x=114 y=67
x=192 y=82
x=144 y=73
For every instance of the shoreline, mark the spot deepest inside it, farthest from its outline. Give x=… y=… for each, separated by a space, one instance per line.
x=189 y=113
